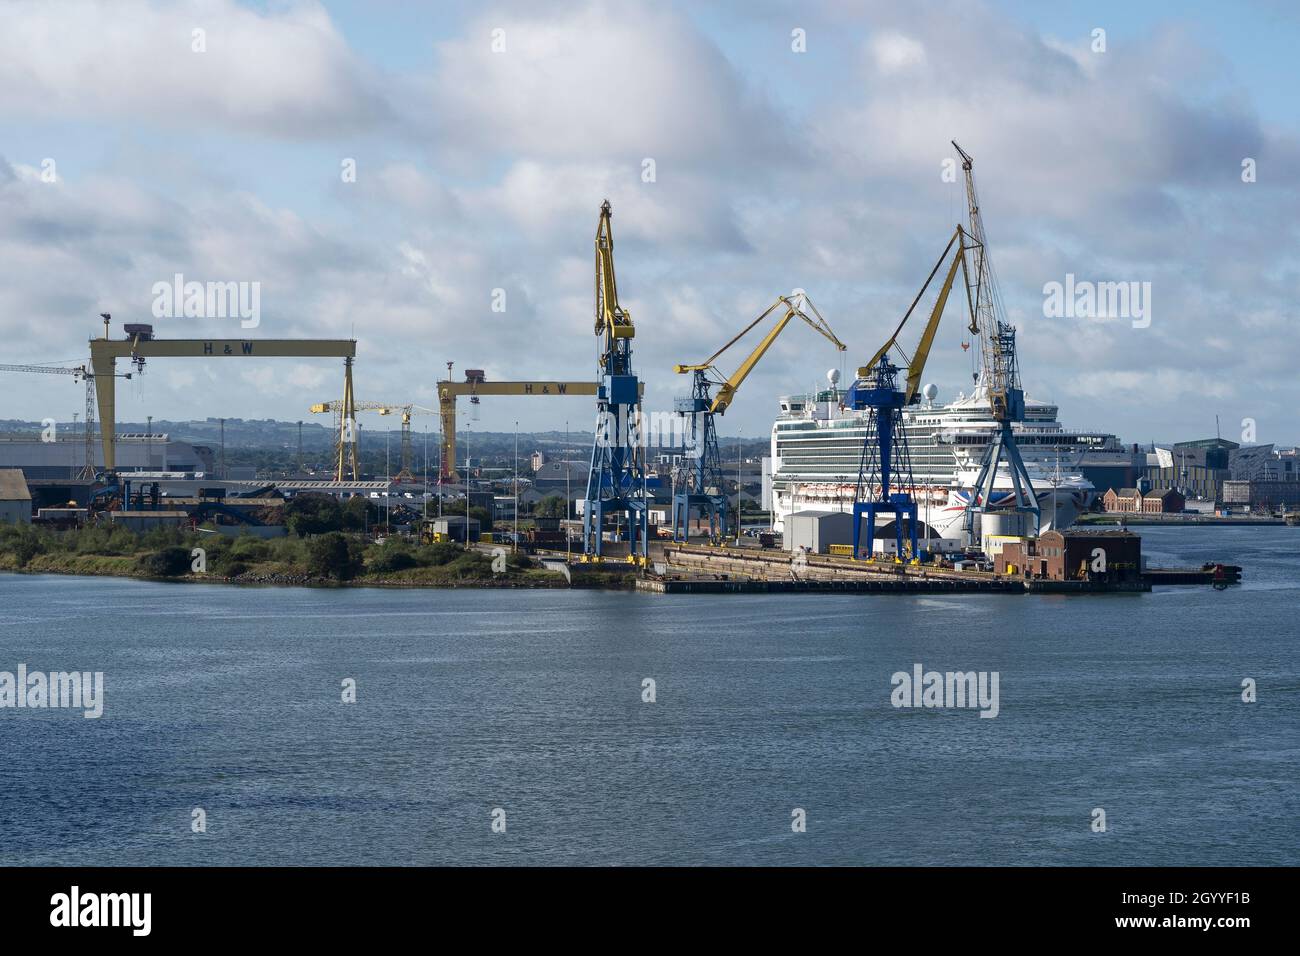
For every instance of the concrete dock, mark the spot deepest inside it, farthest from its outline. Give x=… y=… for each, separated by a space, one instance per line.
x=702 y=569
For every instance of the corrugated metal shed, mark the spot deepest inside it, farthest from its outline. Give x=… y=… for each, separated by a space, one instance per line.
x=818 y=530
x=13 y=486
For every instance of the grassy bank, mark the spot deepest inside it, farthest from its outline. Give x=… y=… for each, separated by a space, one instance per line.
x=330 y=559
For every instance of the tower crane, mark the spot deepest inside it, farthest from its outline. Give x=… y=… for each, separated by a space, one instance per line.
x=81 y=373
x=885 y=481
x=999 y=377
x=701 y=476
x=343 y=439
x=616 y=481
x=345 y=436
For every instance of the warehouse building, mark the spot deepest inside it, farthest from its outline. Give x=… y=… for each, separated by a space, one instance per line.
x=451 y=528
x=816 y=531
x=1262 y=496
x=65 y=456
x=15 y=499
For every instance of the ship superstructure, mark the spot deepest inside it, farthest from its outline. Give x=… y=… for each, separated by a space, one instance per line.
x=817 y=446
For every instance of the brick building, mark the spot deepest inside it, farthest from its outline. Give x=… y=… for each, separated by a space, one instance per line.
x=1074 y=555
x=1132 y=501
x=1166 y=501
x=1125 y=500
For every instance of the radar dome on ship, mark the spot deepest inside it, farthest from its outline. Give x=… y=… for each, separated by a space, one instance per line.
x=930 y=391
x=833 y=376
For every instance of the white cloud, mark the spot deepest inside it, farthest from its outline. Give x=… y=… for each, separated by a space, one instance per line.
x=896 y=53
x=487 y=171
x=599 y=81
x=286 y=73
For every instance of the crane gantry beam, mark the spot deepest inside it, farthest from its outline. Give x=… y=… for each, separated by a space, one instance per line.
x=140 y=345
x=475 y=385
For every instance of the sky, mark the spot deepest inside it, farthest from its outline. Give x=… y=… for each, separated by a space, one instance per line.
x=427 y=178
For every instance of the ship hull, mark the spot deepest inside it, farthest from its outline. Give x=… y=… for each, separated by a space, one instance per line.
x=942 y=511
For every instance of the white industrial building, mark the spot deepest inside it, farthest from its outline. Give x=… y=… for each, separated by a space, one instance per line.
x=816 y=531
x=65 y=456
x=15 y=499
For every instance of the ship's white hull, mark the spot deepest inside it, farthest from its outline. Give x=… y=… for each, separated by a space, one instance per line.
x=942 y=510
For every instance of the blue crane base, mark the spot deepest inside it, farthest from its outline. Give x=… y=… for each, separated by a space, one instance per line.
x=900 y=506
x=714 y=506
x=593 y=523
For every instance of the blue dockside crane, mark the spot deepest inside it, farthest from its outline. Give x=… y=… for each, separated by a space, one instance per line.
x=885 y=463
x=616 y=483
x=697 y=485
x=885 y=479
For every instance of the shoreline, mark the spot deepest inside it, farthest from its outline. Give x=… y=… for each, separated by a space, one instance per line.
x=591 y=583
x=1176 y=522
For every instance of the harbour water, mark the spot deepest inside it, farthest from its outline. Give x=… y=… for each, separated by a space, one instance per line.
x=229 y=699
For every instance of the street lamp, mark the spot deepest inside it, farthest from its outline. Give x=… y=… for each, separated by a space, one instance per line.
x=516 y=535
x=568 y=498
x=738 y=486
x=467 y=480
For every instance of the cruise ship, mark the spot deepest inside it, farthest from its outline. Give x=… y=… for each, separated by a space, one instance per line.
x=817 y=450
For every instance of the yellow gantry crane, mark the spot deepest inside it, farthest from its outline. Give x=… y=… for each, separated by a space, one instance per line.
x=476 y=384
x=140 y=345
x=702 y=475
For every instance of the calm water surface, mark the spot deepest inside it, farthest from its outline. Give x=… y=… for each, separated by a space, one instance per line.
x=229 y=699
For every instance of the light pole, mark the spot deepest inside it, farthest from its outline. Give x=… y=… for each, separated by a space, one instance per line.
x=516 y=535
x=568 y=497
x=148 y=443
x=467 y=479
x=738 y=487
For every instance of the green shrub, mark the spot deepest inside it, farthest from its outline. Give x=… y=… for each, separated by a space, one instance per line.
x=164 y=536
x=439 y=553
x=166 y=563
x=334 y=556
x=313 y=514
x=288 y=550
x=389 y=558
x=233 y=568
x=25 y=546
x=471 y=564
x=251 y=549
x=359 y=513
